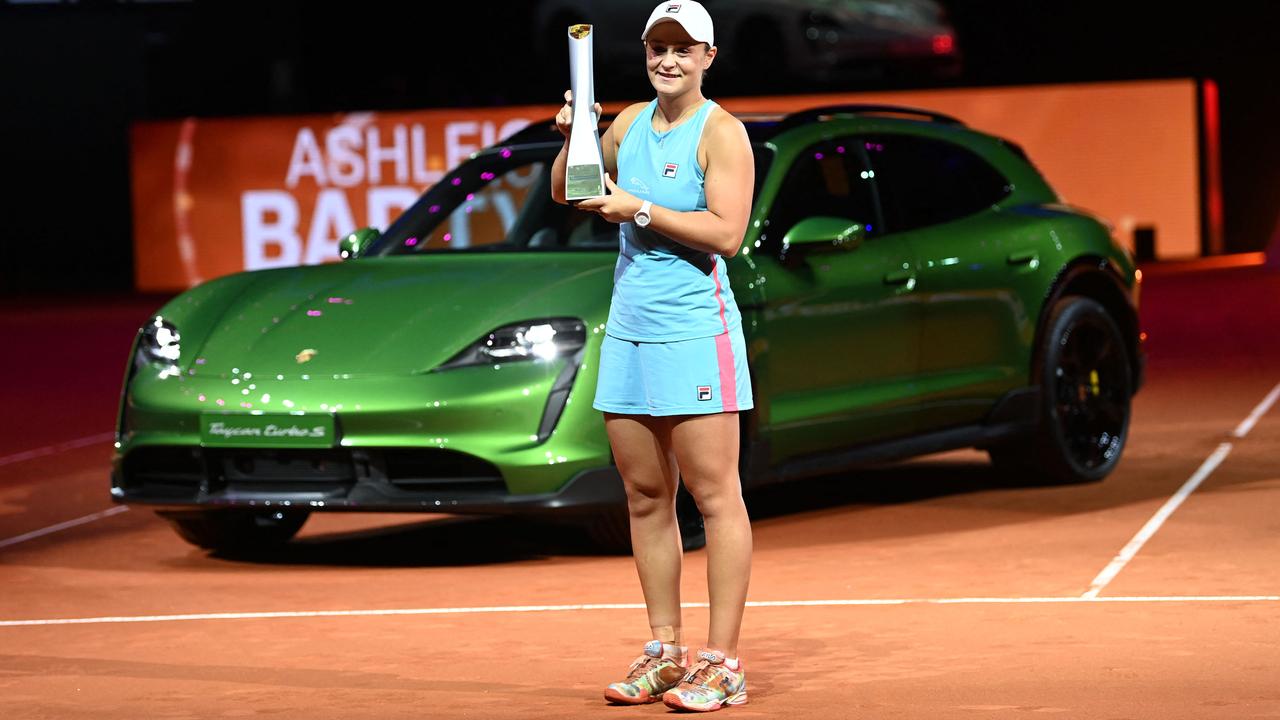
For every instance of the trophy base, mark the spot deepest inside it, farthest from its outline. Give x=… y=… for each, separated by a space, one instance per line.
x=583 y=182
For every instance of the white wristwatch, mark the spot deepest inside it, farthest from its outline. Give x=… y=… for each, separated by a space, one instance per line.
x=642 y=215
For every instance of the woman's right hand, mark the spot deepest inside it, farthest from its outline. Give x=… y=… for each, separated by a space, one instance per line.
x=564 y=118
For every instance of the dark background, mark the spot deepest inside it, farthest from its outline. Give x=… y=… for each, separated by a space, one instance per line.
x=73 y=76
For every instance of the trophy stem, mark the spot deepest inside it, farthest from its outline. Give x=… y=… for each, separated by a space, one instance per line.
x=584 y=172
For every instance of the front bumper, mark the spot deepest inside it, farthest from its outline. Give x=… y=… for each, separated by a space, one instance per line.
x=352 y=479
x=470 y=434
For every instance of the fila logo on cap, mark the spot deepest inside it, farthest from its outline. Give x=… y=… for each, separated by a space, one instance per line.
x=669 y=171
x=704 y=392
x=690 y=15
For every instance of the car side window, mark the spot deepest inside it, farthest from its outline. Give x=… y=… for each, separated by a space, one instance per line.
x=496 y=204
x=923 y=181
x=489 y=212
x=828 y=178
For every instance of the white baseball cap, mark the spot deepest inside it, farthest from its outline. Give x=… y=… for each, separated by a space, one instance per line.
x=691 y=16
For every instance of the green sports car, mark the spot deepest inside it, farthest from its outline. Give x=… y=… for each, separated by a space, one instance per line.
x=907 y=285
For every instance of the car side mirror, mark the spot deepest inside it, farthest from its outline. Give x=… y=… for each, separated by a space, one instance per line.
x=353 y=245
x=823 y=231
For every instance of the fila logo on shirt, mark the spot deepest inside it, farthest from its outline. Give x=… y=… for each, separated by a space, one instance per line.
x=704 y=392
x=669 y=170
x=673 y=8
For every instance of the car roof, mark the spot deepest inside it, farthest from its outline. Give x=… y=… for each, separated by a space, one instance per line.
x=761 y=126
x=764 y=126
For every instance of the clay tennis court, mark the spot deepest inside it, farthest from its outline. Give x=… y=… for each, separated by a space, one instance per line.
x=918 y=590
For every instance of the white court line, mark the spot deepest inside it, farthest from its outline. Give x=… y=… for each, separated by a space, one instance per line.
x=1128 y=551
x=1210 y=464
x=1247 y=424
x=59 y=447
x=639 y=606
x=50 y=450
x=1101 y=581
x=63 y=526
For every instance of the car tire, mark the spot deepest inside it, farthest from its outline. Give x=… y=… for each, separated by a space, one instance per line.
x=1082 y=365
x=236 y=530
x=611 y=529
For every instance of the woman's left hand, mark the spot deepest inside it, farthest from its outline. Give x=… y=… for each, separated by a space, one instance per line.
x=617 y=207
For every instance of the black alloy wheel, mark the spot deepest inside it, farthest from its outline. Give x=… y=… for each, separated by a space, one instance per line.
x=1089 y=389
x=1086 y=387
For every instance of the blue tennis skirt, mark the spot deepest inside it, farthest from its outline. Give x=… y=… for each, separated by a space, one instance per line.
x=682 y=377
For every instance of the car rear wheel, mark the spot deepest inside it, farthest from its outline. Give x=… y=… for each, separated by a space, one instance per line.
x=1086 y=386
x=611 y=530
x=236 y=530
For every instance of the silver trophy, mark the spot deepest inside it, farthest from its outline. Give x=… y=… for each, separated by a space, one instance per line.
x=584 y=174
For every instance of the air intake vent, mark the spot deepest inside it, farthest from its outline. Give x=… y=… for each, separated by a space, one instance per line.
x=283 y=470
x=435 y=469
x=164 y=471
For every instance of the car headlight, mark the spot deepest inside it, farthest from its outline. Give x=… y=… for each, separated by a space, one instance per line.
x=160 y=343
x=537 y=340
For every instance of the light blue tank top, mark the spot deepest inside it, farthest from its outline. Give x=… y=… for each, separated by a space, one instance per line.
x=662 y=290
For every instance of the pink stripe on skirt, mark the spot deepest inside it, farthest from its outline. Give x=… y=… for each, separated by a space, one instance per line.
x=728 y=375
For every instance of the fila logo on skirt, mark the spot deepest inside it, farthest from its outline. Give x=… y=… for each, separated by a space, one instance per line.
x=704 y=392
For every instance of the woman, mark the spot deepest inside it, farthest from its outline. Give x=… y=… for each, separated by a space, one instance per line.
x=673 y=371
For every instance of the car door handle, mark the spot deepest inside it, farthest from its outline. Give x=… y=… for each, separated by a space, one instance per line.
x=900 y=277
x=1024 y=257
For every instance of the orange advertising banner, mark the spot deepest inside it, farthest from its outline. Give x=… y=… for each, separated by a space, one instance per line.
x=217 y=196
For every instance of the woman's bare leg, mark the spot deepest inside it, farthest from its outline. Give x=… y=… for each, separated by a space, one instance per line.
x=706 y=448
x=642 y=449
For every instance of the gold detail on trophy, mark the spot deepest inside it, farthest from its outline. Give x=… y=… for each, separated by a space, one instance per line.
x=579 y=31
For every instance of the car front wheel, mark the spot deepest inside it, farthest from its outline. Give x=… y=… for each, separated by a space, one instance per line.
x=236 y=530
x=1086 y=386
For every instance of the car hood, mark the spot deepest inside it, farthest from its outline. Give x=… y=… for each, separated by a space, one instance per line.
x=391 y=315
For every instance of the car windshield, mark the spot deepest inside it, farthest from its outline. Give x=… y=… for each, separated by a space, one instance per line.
x=500 y=201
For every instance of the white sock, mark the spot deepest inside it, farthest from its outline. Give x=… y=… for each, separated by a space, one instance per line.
x=732 y=664
x=677 y=651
